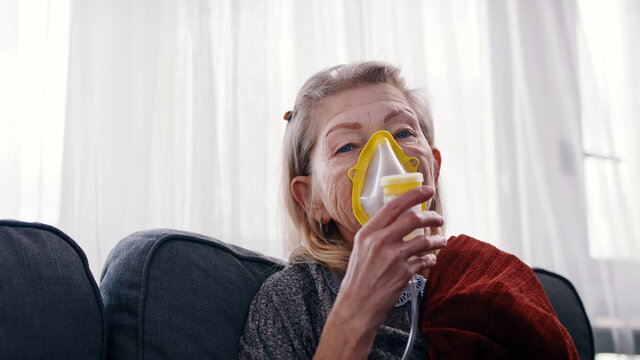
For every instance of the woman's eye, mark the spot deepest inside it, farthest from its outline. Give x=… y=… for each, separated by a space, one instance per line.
x=345 y=148
x=403 y=134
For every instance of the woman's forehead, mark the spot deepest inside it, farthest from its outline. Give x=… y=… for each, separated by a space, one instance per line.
x=363 y=103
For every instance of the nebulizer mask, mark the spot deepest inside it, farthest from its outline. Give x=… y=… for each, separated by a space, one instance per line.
x=384 y=171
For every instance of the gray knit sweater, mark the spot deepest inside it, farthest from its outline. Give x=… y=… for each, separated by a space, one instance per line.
x=287 y=315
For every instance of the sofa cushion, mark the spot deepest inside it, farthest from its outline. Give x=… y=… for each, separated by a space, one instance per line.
x=177 y=295
x=50 y=306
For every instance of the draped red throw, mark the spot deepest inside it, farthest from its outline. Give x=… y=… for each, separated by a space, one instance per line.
x=482 y=303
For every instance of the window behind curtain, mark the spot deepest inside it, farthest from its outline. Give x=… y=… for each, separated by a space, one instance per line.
x=608 y=58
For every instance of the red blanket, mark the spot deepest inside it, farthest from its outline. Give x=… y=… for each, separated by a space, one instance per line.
x=482 y=303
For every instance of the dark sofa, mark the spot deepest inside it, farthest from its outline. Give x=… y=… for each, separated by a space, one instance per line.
x=164 y=294
x=177 y=295
x=50 y=305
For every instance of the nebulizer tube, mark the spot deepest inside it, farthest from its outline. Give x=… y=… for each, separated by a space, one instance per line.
x=414 y=318
x=384 y=171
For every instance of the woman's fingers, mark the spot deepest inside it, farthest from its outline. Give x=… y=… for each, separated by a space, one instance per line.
x=421 y=244
x=419 y=263
x=379 y=252
x=399 y=205
x=410 y=221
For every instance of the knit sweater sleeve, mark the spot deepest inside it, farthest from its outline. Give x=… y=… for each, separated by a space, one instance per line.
x=279 y=324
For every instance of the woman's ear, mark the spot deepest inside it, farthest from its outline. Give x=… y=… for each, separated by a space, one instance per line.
x=301 y=191
x=438 y=158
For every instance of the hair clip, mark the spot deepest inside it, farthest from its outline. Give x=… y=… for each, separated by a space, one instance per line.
x=288 y=115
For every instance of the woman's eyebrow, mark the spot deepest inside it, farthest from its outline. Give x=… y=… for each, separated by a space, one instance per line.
x=344 y=125
x=396 y=113
x=356 y=125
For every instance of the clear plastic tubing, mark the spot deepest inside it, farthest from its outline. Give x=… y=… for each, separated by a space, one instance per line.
x=392 y=186
x=414 y=318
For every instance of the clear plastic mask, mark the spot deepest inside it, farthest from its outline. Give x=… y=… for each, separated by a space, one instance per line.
x=381 y=156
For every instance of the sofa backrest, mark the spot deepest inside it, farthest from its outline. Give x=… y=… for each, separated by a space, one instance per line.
x=168 y=294
x=178 y=295
x=50 y=306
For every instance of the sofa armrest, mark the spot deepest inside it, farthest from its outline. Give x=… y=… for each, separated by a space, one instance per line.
x=50 y=306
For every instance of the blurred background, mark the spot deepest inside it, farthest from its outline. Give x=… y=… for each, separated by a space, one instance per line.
x=118 y=116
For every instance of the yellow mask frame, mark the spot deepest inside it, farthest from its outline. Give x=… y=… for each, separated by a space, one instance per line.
x=357 y=173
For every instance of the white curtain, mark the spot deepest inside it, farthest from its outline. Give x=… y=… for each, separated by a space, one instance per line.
x=609 y=54
x=119 y=116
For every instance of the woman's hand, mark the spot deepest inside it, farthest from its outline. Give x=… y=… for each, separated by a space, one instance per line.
x=380 y=266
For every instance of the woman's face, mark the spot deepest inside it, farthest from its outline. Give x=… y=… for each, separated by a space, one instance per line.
x=348 y=120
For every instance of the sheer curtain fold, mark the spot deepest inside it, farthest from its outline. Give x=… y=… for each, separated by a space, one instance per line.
x=141 y=131
x=172 y=117
x=537 y=124
x=32 y=106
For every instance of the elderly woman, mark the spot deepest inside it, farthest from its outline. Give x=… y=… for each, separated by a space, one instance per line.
x=344 y=294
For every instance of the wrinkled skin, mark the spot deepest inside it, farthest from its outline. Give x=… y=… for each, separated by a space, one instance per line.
x=367 y=110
